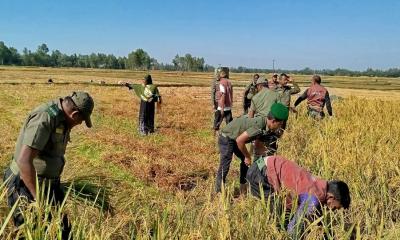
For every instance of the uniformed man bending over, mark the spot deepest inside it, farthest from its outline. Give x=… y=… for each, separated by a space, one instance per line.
x=240 y=131
x=40 y=150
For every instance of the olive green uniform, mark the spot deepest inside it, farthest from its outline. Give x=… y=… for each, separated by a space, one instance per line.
x=254 y=127
x=285 y=93
x=261 y=103
x=249 y=93
x=45 y=130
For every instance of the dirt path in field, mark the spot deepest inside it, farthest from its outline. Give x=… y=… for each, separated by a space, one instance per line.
x=204 y=89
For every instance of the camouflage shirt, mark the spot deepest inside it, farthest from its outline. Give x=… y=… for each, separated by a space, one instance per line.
x=285 y=92
x=45 y=130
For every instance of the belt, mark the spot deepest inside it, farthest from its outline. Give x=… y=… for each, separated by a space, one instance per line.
x=223 y=134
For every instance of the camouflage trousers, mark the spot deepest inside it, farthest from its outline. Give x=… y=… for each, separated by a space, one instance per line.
x=315 y=114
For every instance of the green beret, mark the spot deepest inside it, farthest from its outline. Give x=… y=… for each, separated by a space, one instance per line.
x=279 y=111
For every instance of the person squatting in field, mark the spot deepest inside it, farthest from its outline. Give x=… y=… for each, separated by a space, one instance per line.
x=273 y=174
x=235 y=135
x=40 y=150
x=149 y=95
x=249 y=92
x=317 y=97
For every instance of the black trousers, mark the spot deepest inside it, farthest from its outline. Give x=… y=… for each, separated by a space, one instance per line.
x=246 y=105
x=17 y=189
x=146 y=117
x=258 y=180
x=227 y=148
x=218 y=118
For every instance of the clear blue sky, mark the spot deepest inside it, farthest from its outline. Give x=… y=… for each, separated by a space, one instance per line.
x=317 y=34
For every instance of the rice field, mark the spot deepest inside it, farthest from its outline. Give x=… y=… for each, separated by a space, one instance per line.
x=124 y=186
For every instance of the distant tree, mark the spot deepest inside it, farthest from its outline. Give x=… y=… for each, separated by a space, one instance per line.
x=139 y=59
x=4 y=54
x=41 y=56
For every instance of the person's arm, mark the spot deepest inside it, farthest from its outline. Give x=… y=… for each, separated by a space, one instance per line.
x=221 y=102
x=213 y=93
x=245 y=93
x=328 y=103
x=36 y=135
x=129 y=86
x=252 y=109
x=241 y=143
x=308 y=205
x=301 y=98
x=295 y=88
x=27 y=171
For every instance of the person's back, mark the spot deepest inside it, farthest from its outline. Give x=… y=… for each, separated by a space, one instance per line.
x=286 y=174
x=317 y=97
x=261 y=103
x=226 y=90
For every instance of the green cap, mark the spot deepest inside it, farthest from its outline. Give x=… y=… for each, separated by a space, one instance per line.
x=261 y=80
x=279 y=111
x=84 y=103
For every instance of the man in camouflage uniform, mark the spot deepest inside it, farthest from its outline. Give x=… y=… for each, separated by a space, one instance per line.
x=261 y=105
x=223 y=100
x=40 y=150
x=242 y=130
x=249 y=92
x=286 y=91
x=273 y=82
x=215 y=84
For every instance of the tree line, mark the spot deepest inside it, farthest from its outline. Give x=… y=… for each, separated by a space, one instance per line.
x=141 y=60
x=391 y=72
x=136 y=60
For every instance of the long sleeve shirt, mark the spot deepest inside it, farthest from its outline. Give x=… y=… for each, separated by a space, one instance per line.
x=317 y=97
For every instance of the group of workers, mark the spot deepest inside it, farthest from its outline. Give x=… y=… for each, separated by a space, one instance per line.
x=266 y=107
x=45 y=133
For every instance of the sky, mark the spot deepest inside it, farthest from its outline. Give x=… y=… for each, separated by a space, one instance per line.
x=297 y=34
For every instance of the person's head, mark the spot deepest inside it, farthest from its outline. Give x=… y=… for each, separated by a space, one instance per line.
x=278 y=114
x=147 y=80
x=261 y=83
x=77 y=108
x=316 y=79
x=255 y=77
x=283 y=79
x=275 y=77
x=338 y=195
x=223 y=74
